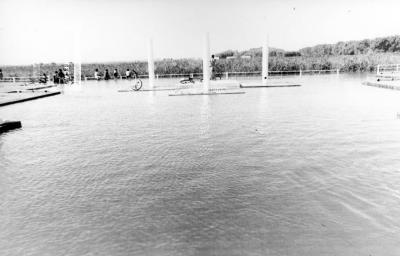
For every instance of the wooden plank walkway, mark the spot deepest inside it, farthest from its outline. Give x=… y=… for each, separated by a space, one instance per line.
x=13 y=98
x=6 y=126
x=269 y=85
x=384 y=84
x=204 y=93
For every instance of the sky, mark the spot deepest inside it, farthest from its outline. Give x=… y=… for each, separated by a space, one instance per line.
x=44 y=31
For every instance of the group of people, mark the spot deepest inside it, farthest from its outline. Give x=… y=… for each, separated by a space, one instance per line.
x=61 y=76
x=128 y=74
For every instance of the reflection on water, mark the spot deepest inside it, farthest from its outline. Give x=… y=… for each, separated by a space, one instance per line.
x=205 y=117
x=311 y=170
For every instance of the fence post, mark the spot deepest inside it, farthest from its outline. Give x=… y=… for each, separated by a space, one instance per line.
x=226 y=75
x=300 y=72
x=265 y=55
x=13 y=79
x=337 y=71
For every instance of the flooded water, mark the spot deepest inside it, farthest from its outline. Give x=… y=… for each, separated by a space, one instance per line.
x=312 y=170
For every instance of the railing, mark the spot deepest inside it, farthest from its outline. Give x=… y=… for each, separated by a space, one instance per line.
x=281 y=73
x=228 y=75
x=30 y=79
x=19 y=79
x=221 y=75
x=388 y=70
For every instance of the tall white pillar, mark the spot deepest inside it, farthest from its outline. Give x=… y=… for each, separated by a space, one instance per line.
x=206 y=63
x=77 y=57
x=265 y=54
x=150 y=62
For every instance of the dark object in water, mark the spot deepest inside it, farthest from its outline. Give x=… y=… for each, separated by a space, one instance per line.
x=9 y=125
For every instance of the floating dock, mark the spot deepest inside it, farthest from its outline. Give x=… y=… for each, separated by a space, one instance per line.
x=183 y=93
x=6 y=126
x=149 y=90
x=269 y=85
x=393 y=85
x=13 y=98
x=214 y=86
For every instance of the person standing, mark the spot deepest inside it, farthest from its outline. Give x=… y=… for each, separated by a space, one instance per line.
x=107 y=75
x=66 y=73
x=1 y=74
x=212 y=67
x=128 y=74
x=96 y=74
x=116 y=75
x=55 y=77
x=61 y=76
x=43 y=79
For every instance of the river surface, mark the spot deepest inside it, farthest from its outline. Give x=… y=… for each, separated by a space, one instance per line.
x=311 y=170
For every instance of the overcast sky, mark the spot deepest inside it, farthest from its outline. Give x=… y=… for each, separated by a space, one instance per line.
x=118 y=30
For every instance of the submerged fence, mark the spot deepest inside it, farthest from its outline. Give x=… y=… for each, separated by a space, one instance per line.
x=388 y=70
x=220 y=75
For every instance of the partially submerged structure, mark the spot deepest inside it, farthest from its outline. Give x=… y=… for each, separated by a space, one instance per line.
x=387 y=76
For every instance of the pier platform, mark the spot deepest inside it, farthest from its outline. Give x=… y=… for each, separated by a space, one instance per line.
x=200 y=91
x=150 y=90
x=271 y=84
x=13 y=98
x=393 y=85
x=6 y=126
x=205 y=93
x=214 y=86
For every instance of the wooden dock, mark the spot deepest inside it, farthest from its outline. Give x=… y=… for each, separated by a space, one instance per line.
x=183 y=93
x=269 y=85
x=13 y=98
x=393 y=85
x=6 y=126
x=150 y=90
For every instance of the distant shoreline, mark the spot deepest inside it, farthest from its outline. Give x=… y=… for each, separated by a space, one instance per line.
x=345 y=63
x=351 y=56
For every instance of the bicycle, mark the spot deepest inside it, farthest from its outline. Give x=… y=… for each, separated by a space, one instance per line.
x=193 y=80
x=137 y=84
x=190 y=80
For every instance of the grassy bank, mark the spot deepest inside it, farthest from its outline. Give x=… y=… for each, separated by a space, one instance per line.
x=346 y=63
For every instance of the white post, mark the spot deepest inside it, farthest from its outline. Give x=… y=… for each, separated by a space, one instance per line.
x=337 y=71
x=150 y=62
x=377 y=70
x=77 y=58
x=300 y=72
x=206 y=63
x=226 y=75
x=265 y=62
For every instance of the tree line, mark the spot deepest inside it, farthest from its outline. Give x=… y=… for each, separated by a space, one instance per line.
x=350 y=56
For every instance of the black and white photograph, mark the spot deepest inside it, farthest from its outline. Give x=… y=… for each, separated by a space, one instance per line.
x=199 y=127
